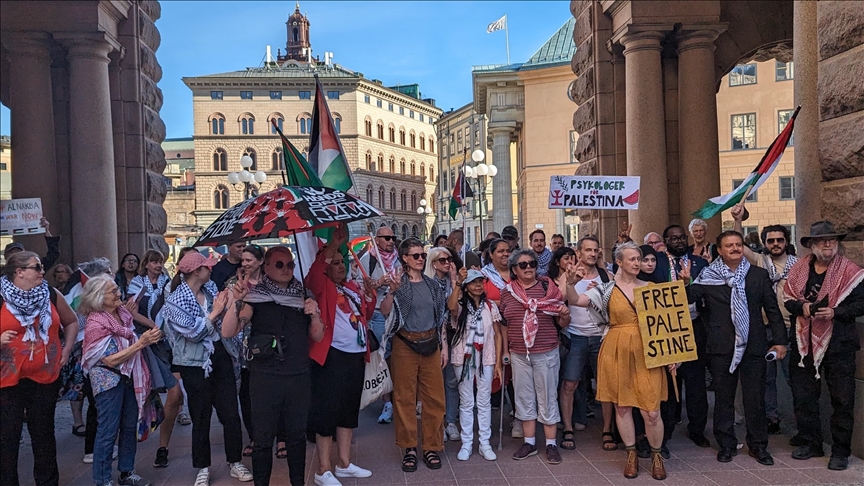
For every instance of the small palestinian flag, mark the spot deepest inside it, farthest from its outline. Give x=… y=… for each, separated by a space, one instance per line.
x=77 y=280
x=461 y=191
x=359 y=243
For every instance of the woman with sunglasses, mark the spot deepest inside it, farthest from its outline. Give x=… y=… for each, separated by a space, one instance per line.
x=128 y=270
x=282 y=317
x=419 y=354
x=31 y=314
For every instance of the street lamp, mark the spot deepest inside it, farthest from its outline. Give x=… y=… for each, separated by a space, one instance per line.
x=424 y=210
x=480 y=172
x=246 y=177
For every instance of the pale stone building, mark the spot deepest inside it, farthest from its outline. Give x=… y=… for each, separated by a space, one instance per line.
x=388 y=133
x=80 y=80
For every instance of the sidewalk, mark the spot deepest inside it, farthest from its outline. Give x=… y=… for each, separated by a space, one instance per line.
x=374 y=449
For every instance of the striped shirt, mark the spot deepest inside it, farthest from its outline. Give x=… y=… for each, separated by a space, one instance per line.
x=513 y=312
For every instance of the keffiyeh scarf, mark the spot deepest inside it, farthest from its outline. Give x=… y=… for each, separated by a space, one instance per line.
x=673 y=274
x=403 y=299
x=27 y=306
x=267 y=291
x=718 y=273
x=350 y=304
x=548 y=305
x=151 y=291
x=543 y=260
x=772 y=269
x=475 y=338
x=387 y=260
x=598 y=307
x=841 y=278
x=186 y=316
x=492 y=274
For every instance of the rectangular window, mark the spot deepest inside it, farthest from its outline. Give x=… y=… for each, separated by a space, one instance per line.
x=743 y=74
x=245 y=95
x=401 y=110
x=784 y=71
x=305 y=95
x=793 y=233
x=367 y=99
x=783 y=117
x=379 y=103
x=421 y=117
x=275 y=95
x=2 y=165
x=390 y=106
x=411 y=113
x=459 y=140
x=215 y=95
x=787 y=188
x=476 y=137
x=749 y=229
x=501 y=99
x=744 y=131
x=751 y=198
x=332 y=95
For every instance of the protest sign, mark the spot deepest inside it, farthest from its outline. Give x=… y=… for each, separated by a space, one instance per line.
x=594 y=192
x=665 y=325
x=21 y=217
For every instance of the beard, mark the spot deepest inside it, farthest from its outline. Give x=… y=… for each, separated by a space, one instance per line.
x=826 y=255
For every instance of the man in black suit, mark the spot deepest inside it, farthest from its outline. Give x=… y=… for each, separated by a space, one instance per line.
x=733 y=295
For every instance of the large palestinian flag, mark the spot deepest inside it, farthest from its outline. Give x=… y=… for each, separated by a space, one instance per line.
x=326 y=155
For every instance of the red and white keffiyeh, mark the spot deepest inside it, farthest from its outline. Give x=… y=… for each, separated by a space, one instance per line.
x=548 y=305
x=842 y=276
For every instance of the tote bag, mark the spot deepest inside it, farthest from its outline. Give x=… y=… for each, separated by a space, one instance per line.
x=376 y=381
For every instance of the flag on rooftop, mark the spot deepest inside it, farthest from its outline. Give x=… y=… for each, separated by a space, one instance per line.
x=497 y=25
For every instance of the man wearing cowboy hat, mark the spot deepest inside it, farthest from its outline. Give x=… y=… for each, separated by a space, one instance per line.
x=824 y=295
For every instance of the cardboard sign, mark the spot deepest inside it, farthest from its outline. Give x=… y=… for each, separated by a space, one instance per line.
x=594 y=192
x=21 y=217
x=665 y=325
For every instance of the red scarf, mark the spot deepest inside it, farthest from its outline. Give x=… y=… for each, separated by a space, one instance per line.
x=549 y=304
x=841 y=278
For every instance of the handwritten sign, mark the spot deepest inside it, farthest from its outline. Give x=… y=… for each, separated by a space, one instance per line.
x=594 y=192
x=21 y=217
x=665 y=325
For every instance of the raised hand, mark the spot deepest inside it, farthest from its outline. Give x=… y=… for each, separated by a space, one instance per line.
x=737 y=212
x=684 y=274
x=340 y=236
x=575 y=273
x=220 y=303
x=463 y=274
x=310 y=307
x=241 y=288
x=624 y=234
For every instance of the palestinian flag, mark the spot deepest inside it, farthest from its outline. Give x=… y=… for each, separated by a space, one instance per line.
x=461 y=191
x=359 y=243
x=756 y=178
x=73 y=297
x=326 y=155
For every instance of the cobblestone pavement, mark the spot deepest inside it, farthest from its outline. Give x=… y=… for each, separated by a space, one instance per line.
x=374 y=449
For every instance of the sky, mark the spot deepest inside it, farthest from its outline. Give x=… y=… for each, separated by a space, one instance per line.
x=433 y=44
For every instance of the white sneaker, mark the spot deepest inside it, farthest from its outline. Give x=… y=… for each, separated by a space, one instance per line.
x=353 y=471
x=464 y=452
x=327 y=479
x=517 y=432
x=239 y=471
x=88 y=459
x=452 y=432
x=203 y=477
x=386 y=414
x=487 y=452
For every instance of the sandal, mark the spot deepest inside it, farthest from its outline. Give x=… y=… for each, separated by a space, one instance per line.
x=282 y=452
x=409 y=461
x=247 y=451
x=432 y=460
x=568 y=441
x=79 y=430
x=608 y=442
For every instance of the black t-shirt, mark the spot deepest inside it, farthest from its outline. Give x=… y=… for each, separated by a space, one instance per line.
x=290 y=326
x=222 y=271
x=814 y=285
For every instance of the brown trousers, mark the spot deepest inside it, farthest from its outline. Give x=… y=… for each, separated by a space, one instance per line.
x=410 y=370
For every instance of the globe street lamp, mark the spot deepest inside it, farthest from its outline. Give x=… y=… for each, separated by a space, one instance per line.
x=480 y=172
x=424 y=210
x=246 y=177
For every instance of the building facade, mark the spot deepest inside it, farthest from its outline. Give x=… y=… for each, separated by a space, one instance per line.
x=388 y=133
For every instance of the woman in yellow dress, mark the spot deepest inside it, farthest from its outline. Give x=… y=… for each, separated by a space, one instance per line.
x=622 y=377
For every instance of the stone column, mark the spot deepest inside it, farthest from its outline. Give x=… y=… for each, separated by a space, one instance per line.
x=502 y=185
x=646 y=136
x=808 y=171
x=34 y=173
x=93 y=197
x=699 y=158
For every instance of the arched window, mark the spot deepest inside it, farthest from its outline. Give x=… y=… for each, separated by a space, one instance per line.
x=381 y=197
x=413 y=168
x=413 y=199
x=276 y=161
x=393 y=227
x=431 y=174
x=402 y=135
x=422 y=142
x=252 y=155
x=392 y=198
x=392 y=164
x=220 y=160
x=414 y=231
x=217 y=124
x=403 y=200
x=279 y=119
x=380 y=162
x=432 y=145
x=247 y=124
x=367 y=123
x=380 y=129
x=337 y=123
x=370 y=194
x=369 y=165
x=423 y=169
x=402 y=166
x=413 y=138
x=296 y=33
x=391 y=133
x=220 y=197
x=304 y=124
x=404 y=231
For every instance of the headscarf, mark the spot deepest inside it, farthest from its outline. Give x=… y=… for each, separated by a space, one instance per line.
x=27 y=306
x=718 y=273
x=648 y=277
x=548 y=305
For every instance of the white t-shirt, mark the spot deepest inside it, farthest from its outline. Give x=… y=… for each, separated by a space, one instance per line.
x=581 y=323
x=345 y=336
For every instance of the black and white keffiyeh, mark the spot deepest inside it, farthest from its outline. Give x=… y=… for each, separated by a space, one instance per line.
x=543 y=260
x=188 y=318
x=150 y=290
x=27 y=305
x=267 y=291
x=718 y=273
x=492 y=274
x=775 y=277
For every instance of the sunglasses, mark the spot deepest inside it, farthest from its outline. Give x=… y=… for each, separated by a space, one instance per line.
x=525 y=265
x=444 y=260
x=38 y=267
x=417 y=256
x=387 y=237
x=771 y=241
x=280 y=265
x=131 y=260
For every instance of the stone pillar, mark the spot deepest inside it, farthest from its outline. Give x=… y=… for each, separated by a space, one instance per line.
x=32 y=112
x=93 y=198
x=502 y=185
x=808 y=171
x=699 y=158
x=646 y=136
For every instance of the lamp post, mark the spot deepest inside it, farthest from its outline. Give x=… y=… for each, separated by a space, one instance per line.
x=424 y=210
x=480 y=172
x=247 y=177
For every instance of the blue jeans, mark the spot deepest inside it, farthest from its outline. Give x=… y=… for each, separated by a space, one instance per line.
x=451 y=394
x=376 y=324
x=117 y=411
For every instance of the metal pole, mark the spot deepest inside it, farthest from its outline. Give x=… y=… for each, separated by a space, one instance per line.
x=507 y=36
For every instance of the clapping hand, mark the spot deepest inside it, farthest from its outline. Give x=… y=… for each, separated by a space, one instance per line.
x=151 y=336
x=219 y=305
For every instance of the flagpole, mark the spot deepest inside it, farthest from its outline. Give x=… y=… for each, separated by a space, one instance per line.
x=507 y=36
x=462 y=195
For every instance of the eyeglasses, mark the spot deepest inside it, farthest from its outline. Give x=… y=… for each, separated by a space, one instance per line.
x=771 y=241
x=38 y=267
x=387 y=237
x=444 y=260
x=677 y=238
x=280 y=265
x=417 y=256
x=823 y=241
x=115 y=290
x=525 y=265
x=131 y=260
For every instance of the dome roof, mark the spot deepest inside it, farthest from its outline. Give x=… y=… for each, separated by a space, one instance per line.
x=297 y=16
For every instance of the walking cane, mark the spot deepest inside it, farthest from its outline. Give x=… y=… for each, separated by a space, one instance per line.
x=501 y=423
